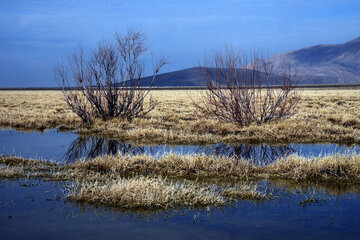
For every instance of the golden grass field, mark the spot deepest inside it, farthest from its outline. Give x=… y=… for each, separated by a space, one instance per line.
x=323 y=115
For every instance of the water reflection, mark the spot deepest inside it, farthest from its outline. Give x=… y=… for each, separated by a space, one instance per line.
x=303 y=213
x=259 y=154
x=69 y=146
x=86 y=147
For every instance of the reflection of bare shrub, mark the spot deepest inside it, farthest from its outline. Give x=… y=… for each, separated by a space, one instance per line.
x=257 y=154
x=107 y=84
x=240 y=90
x=90 y=147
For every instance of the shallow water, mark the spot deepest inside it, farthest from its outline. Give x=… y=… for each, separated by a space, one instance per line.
x=37 y=210
x=33 y=209
x=69 y=146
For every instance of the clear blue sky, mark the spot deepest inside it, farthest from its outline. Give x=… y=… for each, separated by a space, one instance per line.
x=34 y=33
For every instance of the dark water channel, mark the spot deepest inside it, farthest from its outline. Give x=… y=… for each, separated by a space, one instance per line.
x=34 y=209
x=69 y=147
x=37 y=210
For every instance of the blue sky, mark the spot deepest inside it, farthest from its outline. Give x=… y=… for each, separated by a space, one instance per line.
x=35 y=33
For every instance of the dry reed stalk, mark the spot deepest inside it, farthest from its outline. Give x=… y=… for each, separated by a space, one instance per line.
x=145 y=193
x=293 y=167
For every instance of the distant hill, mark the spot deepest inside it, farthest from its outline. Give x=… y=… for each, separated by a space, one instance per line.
x=190 y=77
x=335 y=63
x=320 y=64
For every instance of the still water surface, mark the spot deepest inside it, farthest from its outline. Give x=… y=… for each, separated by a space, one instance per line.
x=32 y=209
x=69 y=146
x=37 y=210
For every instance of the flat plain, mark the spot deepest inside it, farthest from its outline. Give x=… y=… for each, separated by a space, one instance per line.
x=323 y=115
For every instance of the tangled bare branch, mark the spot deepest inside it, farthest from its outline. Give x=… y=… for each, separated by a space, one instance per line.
x=107 y=84
x=241 y=89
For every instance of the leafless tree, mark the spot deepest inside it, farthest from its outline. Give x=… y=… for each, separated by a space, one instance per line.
x=241 y=89
x=107 y=83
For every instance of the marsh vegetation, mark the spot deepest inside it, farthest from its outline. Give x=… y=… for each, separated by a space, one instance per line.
x=110 y=169
x=323 y=115
x=179 y=180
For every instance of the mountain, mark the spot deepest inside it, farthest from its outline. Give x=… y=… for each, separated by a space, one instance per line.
x=335 y=63
x=190 y=77
x=320 y=64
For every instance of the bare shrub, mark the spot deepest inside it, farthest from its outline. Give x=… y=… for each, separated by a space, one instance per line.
x=107 y=83
x=241 y=88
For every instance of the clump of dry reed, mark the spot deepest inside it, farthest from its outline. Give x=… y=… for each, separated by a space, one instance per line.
x=29 y=163
x=145 y=193
x=245 y=191
x=337 y=167
x=16 y=167
x=133 y=181
x=168 y=165
x=11 y=173
x=103 y=185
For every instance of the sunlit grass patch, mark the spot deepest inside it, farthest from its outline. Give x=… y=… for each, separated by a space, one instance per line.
x=323 y=115
x=340 y=167
x=245 y=191
x=183 y=180
x=168 y=165
x=335 y=167
x=145 y=193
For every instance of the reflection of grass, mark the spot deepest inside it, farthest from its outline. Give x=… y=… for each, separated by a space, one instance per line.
x=323 y=116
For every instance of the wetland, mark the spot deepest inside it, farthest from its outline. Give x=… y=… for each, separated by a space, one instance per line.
x=170 y=175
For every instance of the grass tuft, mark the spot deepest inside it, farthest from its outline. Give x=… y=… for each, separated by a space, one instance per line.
x=142 y=181
x=144 y=192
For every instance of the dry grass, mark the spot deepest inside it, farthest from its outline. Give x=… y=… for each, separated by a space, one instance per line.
x=35 y=110
x=334 y=188
x=180 y=166
x=188 y=180
x=245 y=191
x=146 y=182
x=327 y=168
x=14 y=168
x=329 y=115
x=145 y=193
x=337 y=167
x=108 y=187
x=11 y=173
